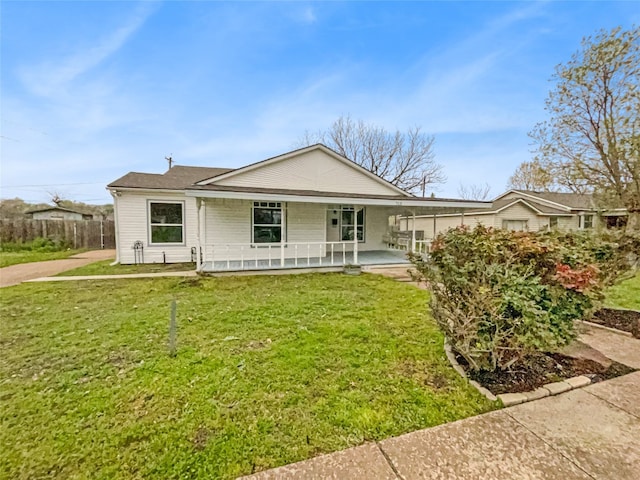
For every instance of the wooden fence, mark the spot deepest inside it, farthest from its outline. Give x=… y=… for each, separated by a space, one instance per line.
x=77 y=233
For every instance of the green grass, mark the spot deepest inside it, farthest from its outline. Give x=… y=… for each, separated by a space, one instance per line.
x=26 y=256
x=105 y=268
x=625 y=294
x=270 y=370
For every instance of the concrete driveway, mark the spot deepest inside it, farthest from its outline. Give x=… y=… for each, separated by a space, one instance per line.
x=16 y=274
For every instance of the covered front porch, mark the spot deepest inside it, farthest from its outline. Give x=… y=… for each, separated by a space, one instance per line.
x=253 y=231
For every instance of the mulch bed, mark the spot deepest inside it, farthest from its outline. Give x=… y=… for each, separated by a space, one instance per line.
x=541 y=369
x=625 y=320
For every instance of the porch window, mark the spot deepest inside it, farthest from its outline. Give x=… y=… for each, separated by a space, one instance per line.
x=347 y=221
x=267 y=222
x=166 y=222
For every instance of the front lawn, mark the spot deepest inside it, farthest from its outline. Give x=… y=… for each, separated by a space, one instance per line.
x=625 y=294
x=27 y=256
x=105 y=268
x=269 y=370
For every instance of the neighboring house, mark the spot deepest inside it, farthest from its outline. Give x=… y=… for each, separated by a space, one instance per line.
x=523 y=210
x=58 y=213
x=307 y=208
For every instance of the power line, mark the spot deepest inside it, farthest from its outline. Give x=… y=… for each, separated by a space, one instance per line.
x=51 y=185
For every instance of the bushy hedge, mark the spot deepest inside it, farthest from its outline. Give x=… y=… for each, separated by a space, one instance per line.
x=38 y=244
x=500 y=295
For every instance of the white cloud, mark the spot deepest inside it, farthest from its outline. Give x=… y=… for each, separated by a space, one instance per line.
x=55 y=76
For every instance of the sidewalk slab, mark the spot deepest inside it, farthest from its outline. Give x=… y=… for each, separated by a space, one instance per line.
x=488 y=446
x=365 y=461
x=620 y=348
x=596 y=436
x=623 y=392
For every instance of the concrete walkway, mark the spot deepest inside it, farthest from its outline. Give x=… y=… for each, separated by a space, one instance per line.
x=190 y=273
x=590 y=433
x=16 y=274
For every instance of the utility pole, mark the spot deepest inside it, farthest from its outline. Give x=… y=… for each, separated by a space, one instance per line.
x=170 y=160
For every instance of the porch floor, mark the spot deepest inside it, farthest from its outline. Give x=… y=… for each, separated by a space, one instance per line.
x=372 y=257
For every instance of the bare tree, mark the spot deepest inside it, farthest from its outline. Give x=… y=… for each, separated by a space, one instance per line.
x=56 y=198
x=404 y=159
x=532 y=176
x=592 y=136
x=474 y=191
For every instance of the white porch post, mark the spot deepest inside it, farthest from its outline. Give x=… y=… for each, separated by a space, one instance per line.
x=413 y=230
x=203 y=234
x=283 y=235
x=355 y=235
x=199 y=248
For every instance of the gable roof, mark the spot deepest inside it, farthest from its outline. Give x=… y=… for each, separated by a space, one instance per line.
x=177 y=178
x=301 y=151
x=572 y=201
x=499 y=205
x=56 y=208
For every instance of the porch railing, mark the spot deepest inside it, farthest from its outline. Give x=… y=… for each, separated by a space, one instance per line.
x=248 y=256
x=405 y=245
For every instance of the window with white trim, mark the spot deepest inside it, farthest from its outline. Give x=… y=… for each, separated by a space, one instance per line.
x=587 y=221
x=268 y=222
x=166 y=222
x=553 y=222
x=515 y=225
x=347 y=224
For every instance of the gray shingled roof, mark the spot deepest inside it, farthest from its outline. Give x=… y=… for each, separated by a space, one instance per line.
x=176 y=178
x=572 y=200
x=498 y=204
x=314 y=193
x=53 y=207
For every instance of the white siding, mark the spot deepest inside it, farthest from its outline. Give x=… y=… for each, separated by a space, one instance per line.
x=520 y=212
x=314 y=170
x=133 y=225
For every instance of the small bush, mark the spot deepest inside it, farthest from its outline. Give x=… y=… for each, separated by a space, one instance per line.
x=500 y=295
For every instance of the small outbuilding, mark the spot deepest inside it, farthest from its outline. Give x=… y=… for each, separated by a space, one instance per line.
x=58 y=213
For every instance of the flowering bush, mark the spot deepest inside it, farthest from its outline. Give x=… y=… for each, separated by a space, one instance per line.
x=500 y=295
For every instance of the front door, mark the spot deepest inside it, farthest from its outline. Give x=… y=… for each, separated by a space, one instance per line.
x=333 y=224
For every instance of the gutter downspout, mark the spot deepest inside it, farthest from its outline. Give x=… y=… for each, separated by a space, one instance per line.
x=115 y=195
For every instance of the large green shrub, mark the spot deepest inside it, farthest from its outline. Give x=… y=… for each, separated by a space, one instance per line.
x=500 y=295
x=38 y=244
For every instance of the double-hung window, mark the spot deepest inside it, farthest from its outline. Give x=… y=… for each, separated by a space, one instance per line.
x=268 y=222
x=166 y=222
x=348 y=224
x=587 y=221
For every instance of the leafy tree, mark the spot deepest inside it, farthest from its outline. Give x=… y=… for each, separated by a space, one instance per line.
x=532 y=176
x=591 y=139
x=405 y=159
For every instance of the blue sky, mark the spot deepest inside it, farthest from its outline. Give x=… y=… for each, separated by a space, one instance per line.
x=92 y=90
